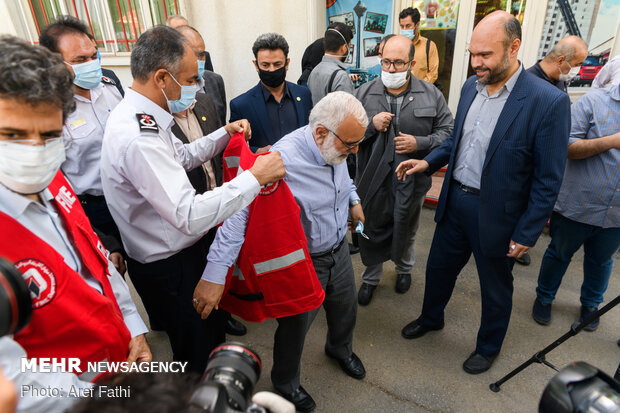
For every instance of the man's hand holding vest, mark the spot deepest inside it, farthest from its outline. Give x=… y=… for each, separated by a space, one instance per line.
x=268 y=168
x=239 y=126
x=207 y=296
x=139 y=350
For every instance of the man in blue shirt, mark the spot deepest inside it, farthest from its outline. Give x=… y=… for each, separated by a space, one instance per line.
x=314 y=160
x=274 y=107
x=587 y=211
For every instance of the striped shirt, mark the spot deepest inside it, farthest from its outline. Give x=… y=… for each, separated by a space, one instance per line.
x=590 y=191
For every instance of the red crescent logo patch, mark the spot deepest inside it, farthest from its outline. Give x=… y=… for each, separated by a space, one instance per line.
x=269 y=189
x=40 y=281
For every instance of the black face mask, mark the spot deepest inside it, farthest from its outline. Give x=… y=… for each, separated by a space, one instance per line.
x=272 y=79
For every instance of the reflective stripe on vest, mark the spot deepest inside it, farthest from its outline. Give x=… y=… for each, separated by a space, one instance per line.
x=237 y=273
x=90 y=375
x=279 y=262
x=233 y=162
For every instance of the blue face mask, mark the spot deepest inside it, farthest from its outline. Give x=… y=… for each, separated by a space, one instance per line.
x=87 y=75
x=201 y=68
x=408 y=33
x=188 y=95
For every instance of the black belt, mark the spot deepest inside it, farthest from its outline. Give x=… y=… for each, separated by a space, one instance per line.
x=328 y=252
x=468 y=189
x=86 y=198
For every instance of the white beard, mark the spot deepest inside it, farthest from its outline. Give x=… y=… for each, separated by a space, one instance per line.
x=330 y=154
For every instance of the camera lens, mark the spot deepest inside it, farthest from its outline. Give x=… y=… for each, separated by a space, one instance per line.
x=15 y=303
x=237 y=368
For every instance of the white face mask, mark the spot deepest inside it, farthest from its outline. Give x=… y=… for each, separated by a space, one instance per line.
x=394 y=80
x=574 y=71
x=29 y=169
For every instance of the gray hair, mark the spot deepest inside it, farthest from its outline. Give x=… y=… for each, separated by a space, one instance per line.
x=271 y=41
x=334 y=108
x=32 y=74
x=512 y=30
x=158 y=48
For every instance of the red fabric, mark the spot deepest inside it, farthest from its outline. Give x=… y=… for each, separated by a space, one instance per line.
x=274 y=231
x=70 y=318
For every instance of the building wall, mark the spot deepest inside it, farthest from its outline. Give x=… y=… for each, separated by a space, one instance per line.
x=230 y=28
x=555 y=28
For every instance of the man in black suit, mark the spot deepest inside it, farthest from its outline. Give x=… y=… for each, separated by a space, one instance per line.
x=175 y=21
x=212 y=84
x=274 y=107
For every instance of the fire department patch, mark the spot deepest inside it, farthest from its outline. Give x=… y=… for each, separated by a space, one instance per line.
x=40 y=280
x=147 y=122
x=269 y=189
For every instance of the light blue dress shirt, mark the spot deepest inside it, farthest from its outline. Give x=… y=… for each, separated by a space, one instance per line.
x=323 y=193
x=478 y=128
x=590 y=191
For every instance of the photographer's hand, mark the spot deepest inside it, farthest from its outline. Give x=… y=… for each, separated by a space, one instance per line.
x=273 y=402
x=206 y=297
x=139 y=350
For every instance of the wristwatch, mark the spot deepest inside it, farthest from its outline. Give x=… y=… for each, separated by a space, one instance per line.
x=352 y=204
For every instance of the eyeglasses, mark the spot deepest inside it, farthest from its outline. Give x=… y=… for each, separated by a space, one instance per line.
x=349 y=145
x=398 y=64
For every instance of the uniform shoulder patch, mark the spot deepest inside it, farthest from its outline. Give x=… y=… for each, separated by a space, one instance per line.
x=107 y=80
x=147 y=123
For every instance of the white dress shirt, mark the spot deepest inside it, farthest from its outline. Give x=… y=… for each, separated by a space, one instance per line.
x=146 y=187
x=44 y=222
x=83 y=134
x=610 y=73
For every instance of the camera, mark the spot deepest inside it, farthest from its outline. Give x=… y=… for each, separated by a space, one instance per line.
x=228 y=382
x=581 y=387
x=15 y=302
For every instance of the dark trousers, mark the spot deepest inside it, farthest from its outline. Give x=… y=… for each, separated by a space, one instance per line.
x=288 y=345
x=166 y=288
x=99 y=215
x=336 y=276
x=456 y=238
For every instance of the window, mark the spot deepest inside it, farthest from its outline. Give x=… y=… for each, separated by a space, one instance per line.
x=115 y=24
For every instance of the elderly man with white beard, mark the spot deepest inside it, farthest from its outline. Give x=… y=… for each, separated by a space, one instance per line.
x=318 y=178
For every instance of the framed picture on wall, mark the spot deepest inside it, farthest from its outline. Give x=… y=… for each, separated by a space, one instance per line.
x=346 y=18
x=375 y=22
x=371 y=46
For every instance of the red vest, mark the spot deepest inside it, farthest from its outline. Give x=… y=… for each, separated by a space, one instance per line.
x=70 y=318
x=273 y=276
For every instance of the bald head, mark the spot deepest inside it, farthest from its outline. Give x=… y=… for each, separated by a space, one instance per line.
x=493 y=48
x=176 y=20
x=571 y=48
x=497 y=22
x=398 y=47
x=194 y=39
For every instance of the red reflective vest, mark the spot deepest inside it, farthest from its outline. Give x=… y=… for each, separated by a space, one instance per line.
x=273 y=276
x=70 y=318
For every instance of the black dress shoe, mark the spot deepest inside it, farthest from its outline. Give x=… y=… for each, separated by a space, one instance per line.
x=234 y=327
x=415 y=330
x=524 y=260
x=364 y=295
x=403 y=282
x=300 y=398
x=476 y=363
x=351 y=365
